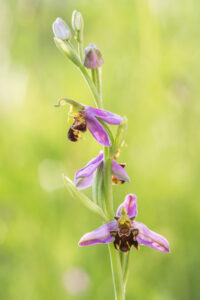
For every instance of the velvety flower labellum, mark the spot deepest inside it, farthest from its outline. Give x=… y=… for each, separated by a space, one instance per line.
x=93 y=58
x=88 y=117
x=84 y=177
x=125 y=232
x=61 y=30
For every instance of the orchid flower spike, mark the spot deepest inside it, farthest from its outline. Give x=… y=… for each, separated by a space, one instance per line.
x=85 y=176
x=89 y=117
x=125 y=232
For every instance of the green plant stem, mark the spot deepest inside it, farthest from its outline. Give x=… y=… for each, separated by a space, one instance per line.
x=108 y=195
x=96 y=77
x=91 y=85
x=80 y=51
x=125 y=266
x=116 y=273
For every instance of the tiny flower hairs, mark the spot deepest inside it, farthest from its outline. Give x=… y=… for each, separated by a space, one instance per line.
x=120 y=231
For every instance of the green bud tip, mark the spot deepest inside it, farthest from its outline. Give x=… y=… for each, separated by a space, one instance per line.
x=77 y=21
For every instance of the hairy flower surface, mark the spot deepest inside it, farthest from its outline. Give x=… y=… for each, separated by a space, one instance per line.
x=84 y=177
x=89 y=117
x=125 y=232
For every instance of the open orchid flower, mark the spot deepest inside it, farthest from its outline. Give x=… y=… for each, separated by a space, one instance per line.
x=84 y=177
x=89 y=117
x=125 y=232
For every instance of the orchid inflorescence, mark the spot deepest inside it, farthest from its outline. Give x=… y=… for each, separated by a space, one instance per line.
x=101 y=172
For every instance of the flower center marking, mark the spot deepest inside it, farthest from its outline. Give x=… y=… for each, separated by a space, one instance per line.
x=125 y=235
x=78 y=125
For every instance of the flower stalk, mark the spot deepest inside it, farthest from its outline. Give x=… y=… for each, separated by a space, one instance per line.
x=117 y=275
x=91 y=86
x=96 y=77
x=116 y=268
x=125 y=266
x=107 y=183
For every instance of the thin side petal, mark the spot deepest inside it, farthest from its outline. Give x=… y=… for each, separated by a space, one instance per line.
x=130 y=205
x=119 y=172
x=99 y=236
x=150 y=238
x=84 y=182
x=105 y=115
x=98 y=132
x=90 y=167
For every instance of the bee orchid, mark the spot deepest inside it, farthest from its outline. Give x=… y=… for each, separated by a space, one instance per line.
x=125 y=232
x=84 y=177
x=92 y=118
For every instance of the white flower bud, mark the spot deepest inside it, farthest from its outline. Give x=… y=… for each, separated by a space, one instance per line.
x=61 y=30
x=78 y=25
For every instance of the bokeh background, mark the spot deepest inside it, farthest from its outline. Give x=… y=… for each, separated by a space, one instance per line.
x=151 y=74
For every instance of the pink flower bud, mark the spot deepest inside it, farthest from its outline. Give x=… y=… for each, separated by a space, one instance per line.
x=93 y=58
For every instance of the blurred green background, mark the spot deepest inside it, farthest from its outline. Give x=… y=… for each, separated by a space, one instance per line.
x=151 y=74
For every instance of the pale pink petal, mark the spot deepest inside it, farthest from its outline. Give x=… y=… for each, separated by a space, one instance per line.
x=99 y=236
x=150 y=238
x=119 y=172
x=98 y=132
x=84 y=177
x=90 y=167
x=130 y=205
x=105 y=115
x=84 y=182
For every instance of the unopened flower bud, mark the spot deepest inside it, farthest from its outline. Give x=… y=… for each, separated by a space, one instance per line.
x=93 y=58
x=78 y=25
x=61 y=30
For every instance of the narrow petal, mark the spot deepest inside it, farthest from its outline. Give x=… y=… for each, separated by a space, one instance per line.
x=98 y=132
x=105 y=115
x=84 y=182
x=90 y=167
x=150 y=238
x=130 y=205
x=119 y=172
x=99 y=236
